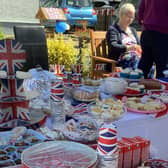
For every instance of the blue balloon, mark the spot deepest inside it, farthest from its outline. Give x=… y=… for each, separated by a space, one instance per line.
x=60 y=27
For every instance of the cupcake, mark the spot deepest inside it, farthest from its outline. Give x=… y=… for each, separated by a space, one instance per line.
x=2 y=152
x=10 y=149
x=6 y=161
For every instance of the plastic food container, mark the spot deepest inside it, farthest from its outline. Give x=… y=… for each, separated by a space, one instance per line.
x=60 y=154
x=81 y=128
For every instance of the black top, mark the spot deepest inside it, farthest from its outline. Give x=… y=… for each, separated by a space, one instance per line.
x=114 y=41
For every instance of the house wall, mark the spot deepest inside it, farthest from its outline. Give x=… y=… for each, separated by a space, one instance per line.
x=17 y=12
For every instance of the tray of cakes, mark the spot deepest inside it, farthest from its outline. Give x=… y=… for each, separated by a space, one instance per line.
x=60 y=154
x=12 y=144
x=145 y=105
x=81 y=128
x=107 y=110
x=131 y=74
x=85 y=94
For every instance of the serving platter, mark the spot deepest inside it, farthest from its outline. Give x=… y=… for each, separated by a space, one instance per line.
x=148 y=111
x=59 y=154
x=144 y=105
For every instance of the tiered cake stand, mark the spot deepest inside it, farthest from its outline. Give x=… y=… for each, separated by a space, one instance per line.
x=14 y=107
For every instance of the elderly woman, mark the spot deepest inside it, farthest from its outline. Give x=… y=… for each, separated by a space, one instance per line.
x=123 y=42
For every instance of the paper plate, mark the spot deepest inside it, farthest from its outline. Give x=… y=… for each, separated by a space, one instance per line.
x=60 y=154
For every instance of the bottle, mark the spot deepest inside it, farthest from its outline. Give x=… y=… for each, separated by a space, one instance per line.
x=58 y=114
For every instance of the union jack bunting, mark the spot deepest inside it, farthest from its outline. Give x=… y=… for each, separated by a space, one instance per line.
x=57 y=91
x=107 y=141
x=14 y=109
x=12 y=56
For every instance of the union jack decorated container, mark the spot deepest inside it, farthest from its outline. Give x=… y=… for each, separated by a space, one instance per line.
x=57 y=90
x=76 y=79
x=14 y=109
x=107 y=147
x=12 y=59
x=67 y=79
x=107 y=141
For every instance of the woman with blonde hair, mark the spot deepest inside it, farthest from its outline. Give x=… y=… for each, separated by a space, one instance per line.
x=122 y=39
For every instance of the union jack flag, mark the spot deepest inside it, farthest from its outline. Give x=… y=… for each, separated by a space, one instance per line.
x=107 y=142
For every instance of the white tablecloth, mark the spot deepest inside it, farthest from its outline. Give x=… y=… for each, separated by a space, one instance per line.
x=149 y=127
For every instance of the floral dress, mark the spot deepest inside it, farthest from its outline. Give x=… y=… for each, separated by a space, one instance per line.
x=130 y=58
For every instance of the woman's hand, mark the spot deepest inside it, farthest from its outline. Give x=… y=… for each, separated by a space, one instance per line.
x=134 y=47
x=131 y=47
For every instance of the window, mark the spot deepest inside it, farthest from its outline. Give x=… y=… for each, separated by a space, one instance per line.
x=79 y=3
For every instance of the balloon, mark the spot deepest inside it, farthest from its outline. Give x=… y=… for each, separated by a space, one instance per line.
x=61 y=27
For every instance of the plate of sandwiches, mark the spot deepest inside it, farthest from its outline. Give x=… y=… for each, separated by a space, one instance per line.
x=145 y=105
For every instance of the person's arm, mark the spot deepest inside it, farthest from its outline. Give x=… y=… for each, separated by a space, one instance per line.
x=141 y=10
x=112 y=40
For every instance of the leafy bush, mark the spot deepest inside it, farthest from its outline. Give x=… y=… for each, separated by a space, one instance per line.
x=1 y=35
x=61 y=51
